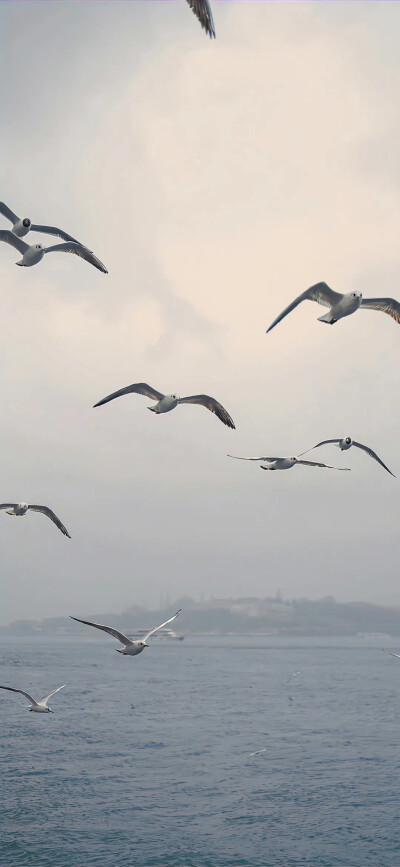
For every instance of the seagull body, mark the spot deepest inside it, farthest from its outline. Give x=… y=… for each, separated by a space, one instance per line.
x=346 y=443
x=286 y=463
x=36 y=706
x=130 y=648
x=167 y=402
x=33 y=253
x=19 y=509
x=340 y=305
x=202 y=10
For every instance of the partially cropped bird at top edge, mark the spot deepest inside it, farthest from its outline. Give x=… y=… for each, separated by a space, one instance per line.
x=346 y=443
x=202 y=10
x=340 y=305
x=20 y=509
x=286 y=463
x=397 y=655
x=130 y=648
x=36 y=706
x=167 y=402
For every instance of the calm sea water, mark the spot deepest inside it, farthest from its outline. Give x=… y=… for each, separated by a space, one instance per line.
x=146 y=761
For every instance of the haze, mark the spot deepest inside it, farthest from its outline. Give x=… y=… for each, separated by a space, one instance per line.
x=216 y=181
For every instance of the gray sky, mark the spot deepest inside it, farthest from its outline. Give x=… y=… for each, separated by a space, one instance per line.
x=216 y=180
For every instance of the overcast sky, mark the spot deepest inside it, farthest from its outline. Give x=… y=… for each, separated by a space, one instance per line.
x=216 y=181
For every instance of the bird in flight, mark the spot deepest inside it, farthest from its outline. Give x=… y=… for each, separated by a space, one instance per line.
x=33 y=253
x=286 y=463
x=130 y=648
x=202 y=10
x=340 y=305
x=345 y=444
x=19 y=509
x=167 y=402
x=22 y=225
x=36 y=706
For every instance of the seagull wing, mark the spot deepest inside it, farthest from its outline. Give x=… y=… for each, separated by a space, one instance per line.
x=53 y=517
x=156 y=628
x=8 y=505
x=211 y=404
x=46 y=698
x=8 y=213
x=52 y=230
x=114 y=632
x=320 y=292
x=10 y=238
x=386 y=305
x=136 y=388
x=79 y=250
x=26 y=694
x=323 y=443
x=328 y=467
x=373 y=455
x=202 y=10
x=397 y=655
x=239 y=458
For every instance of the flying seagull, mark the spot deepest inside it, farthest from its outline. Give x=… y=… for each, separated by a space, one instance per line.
x=22 y=225
x=37 y=706
x=286 y=463
x=19 y=509
x=397 y=655
x=166 y=402
x=202 y=10
x=347 y=443
x=130 y=648
x=340 y=305
x=33 y=253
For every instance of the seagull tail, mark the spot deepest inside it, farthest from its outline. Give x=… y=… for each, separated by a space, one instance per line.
x=327 y=318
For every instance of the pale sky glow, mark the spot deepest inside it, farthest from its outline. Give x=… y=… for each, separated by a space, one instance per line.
x=216 y=181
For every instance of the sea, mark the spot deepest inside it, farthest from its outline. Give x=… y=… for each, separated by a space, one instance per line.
x=228 y=751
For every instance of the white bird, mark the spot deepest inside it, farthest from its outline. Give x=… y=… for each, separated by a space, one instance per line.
x=19 y=509
x=397 y=655
x=202 y=10
x=33 y=253
x=130 y=648
x=22 y=225
x=340 y=305
x=36 y=706
x=286 y=463
x=345 y=444
x=258 y=752
x=167 y=402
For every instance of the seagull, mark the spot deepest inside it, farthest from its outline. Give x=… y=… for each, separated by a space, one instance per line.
x=340 y=305
x=202 y=10
x=37 y=706
x=286 y=463
x=397 y=655
x=22 y=225
x=166 y=402
x=347 y=443
x=130 y=648
x=258 y=752
x=19 y=509
x=33 y=253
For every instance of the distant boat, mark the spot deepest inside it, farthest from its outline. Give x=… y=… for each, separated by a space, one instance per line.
x=162 y=633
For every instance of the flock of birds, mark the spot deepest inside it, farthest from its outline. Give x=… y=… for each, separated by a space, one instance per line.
x=339 y=305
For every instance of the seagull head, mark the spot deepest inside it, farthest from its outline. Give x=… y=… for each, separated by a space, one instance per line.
x=143 y=644
x=26 y=222
x=348 y=441
x=38 y=246
x=356 y=294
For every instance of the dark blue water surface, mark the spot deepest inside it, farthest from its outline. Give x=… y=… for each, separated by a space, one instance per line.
x=146 y=763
